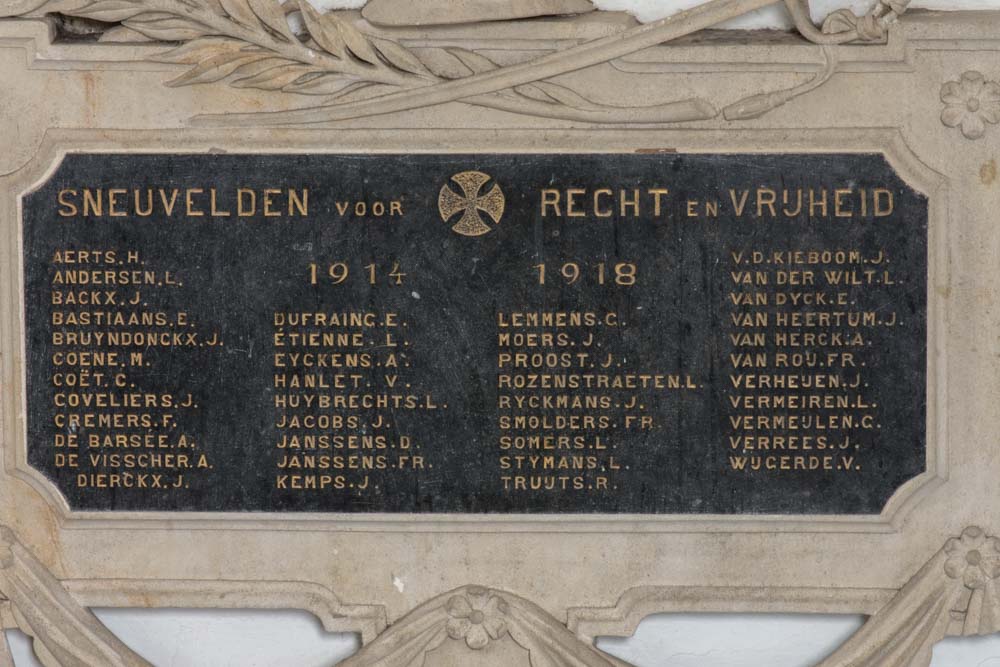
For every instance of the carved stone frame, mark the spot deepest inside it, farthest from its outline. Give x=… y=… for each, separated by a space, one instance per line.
x=576 y=578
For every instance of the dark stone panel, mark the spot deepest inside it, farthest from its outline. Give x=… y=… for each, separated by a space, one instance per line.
x=815 y=388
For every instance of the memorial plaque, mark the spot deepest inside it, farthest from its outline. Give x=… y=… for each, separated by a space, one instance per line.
x=492 y=333
x=487 y=329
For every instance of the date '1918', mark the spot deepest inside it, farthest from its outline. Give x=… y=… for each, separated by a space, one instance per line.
x=623 y=274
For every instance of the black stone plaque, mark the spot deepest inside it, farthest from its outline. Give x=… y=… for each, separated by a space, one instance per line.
x=641 y=333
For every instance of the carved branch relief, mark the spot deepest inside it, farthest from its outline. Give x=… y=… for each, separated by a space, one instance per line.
x=249 y=44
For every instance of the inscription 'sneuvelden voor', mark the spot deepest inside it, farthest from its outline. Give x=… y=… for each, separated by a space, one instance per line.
x=642 y=333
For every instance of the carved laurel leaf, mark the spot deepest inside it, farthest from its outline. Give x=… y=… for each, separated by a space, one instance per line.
x=239 y=11
x=476 y=62
x=443 y=64
x=215 y=68
x=322 y=30
x=212 y=5
x=200 y=50
x=111 y=11
x=533 y=92
x=271 y=15
x=364 y=90
x=399 y=56
x=454 y=62
x=356 y=41
x=323 y=84
x=274 y=78
x=336 y=88
x=166 y=27
x=256 y=67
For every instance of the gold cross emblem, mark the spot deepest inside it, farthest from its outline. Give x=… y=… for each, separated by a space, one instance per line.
x=470 y=203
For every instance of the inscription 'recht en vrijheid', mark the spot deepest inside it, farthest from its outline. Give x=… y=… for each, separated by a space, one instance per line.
x=654 y=334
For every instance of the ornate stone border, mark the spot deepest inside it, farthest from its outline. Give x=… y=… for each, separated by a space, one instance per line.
x=57 y=565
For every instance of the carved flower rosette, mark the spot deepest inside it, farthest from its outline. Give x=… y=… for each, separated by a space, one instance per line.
x=974 y=558
x=971 y=103
x=477 y=617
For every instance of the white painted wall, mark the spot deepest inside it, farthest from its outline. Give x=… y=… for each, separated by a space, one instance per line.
x=226 y=638
x=205 y=638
